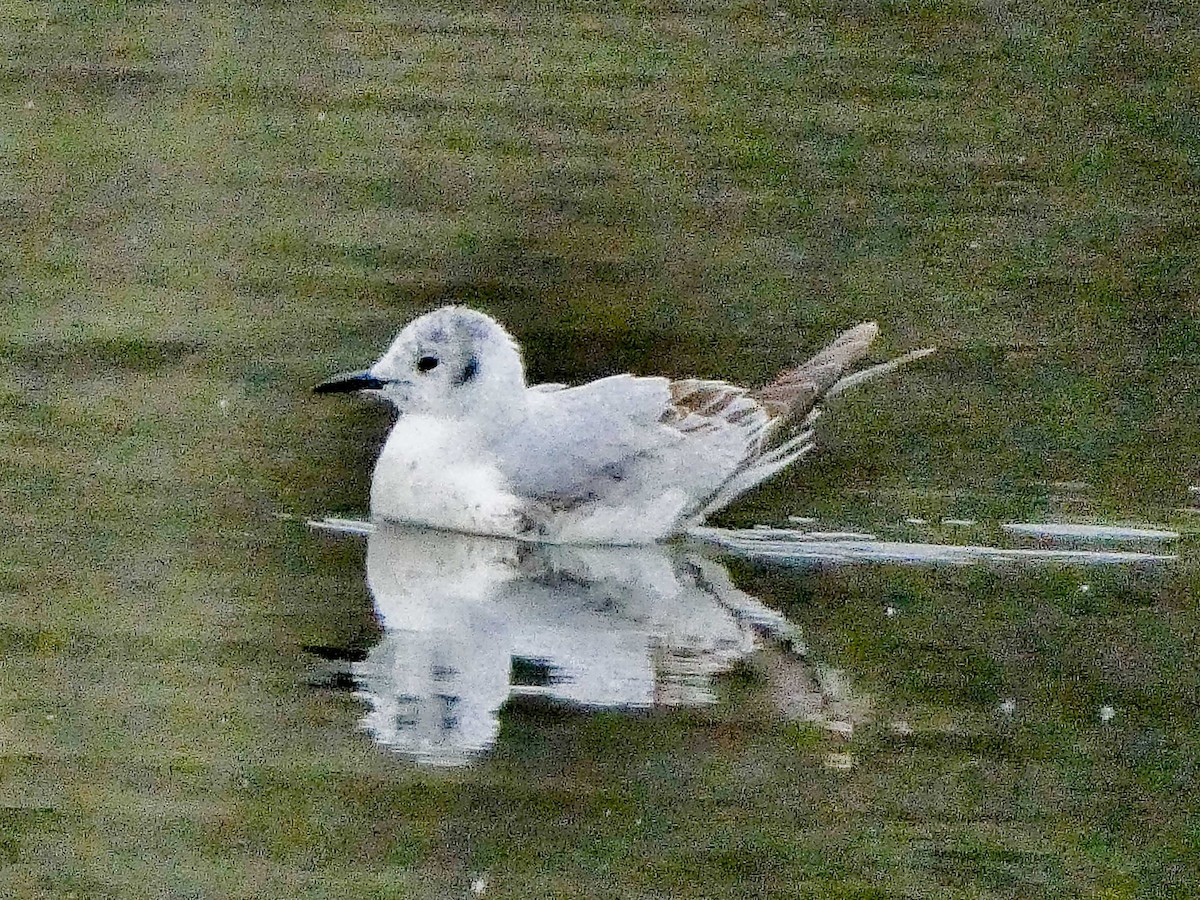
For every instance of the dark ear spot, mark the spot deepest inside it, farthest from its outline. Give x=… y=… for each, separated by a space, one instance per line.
x=470 y=370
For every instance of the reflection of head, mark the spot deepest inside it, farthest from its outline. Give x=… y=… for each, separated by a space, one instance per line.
x=438 y=677
x=435 y=695
x=470 y=620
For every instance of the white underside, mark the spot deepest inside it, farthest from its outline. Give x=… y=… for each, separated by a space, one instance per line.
x=433 y=472
x=439 y=473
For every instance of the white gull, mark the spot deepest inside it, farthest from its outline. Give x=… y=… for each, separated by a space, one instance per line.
x=621 y=460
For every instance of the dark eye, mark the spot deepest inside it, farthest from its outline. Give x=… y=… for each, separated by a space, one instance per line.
x=425 y=363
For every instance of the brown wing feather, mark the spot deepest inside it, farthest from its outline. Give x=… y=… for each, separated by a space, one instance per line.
x=787 y=406
x=794 y=392
x=697 y=404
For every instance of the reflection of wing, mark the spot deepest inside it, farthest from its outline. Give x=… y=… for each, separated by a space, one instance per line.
x=712 y=578
x=800 y=689
x=623 y=628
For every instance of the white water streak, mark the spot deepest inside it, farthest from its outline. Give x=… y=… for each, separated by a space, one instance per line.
x=780 y=546
x=342 y=526
x=1090 y=532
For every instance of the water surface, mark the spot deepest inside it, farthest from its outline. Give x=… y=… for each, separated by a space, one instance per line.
x=903 y=686
x=209 y=208
x=469 y=623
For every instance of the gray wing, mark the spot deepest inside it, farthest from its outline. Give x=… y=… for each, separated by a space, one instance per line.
x=625 y=436
x=577 y=442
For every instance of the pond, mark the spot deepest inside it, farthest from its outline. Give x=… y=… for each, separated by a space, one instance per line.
x=766 y=705
x=209 y=695
x=207 y=209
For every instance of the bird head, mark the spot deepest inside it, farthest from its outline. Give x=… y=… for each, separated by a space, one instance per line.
x=452 y=362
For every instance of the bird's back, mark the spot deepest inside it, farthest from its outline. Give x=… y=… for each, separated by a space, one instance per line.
x=573 y=440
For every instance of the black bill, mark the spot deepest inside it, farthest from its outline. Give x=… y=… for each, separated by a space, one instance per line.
x=348 y=382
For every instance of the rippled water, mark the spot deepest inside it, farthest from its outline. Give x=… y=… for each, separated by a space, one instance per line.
x=468 y=624
x=763 y=706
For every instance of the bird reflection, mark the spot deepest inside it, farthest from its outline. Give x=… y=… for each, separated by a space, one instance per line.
x=469 y=621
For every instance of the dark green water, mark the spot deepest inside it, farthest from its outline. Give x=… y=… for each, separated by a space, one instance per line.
x=204 y=698
x=207 y=209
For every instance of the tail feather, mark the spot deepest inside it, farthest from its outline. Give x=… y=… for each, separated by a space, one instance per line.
x=762 y=469
x=864 y=375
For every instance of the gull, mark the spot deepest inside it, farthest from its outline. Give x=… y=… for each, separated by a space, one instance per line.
x=621 y=460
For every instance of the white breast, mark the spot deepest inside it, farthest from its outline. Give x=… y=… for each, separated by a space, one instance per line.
x=436 y=472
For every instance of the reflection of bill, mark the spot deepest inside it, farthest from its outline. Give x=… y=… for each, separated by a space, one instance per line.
x=469 y=621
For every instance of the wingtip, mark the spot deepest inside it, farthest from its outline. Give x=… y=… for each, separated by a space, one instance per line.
x=875 y=371
x=866 y=328
x=861 y=335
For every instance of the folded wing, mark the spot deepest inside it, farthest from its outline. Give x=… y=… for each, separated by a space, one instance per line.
x=629 y=440
x=578 y=442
